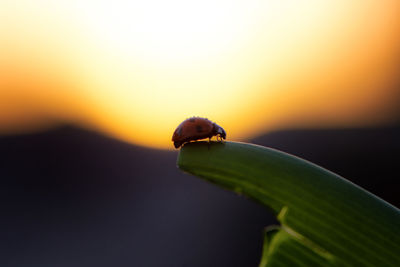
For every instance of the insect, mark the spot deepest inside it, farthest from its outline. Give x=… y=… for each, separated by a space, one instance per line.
x=196 y=128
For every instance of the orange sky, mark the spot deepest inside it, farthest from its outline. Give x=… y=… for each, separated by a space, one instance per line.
x=135 y=70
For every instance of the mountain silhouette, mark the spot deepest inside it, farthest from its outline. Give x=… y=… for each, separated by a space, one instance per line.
x=73 y=197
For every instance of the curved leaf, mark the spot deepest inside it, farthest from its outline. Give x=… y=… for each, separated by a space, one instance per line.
x=325 y=219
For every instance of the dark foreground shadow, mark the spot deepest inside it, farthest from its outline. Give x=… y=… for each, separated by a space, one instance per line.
x=71 y=197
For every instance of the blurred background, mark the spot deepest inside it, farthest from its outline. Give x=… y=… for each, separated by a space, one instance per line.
x=91 y=92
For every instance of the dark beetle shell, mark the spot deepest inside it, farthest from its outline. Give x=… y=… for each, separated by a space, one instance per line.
x=196 y=128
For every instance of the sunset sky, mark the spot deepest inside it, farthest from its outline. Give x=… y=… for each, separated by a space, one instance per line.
x=136 y=69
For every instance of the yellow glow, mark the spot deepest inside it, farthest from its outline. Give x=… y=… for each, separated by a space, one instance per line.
x=136 y=69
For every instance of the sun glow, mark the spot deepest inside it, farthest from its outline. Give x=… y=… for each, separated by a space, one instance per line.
x=136 y=69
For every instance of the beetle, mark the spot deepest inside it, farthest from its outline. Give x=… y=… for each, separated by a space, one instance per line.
x=196 y=128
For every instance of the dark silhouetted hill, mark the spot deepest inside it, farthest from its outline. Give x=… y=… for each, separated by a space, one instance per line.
x=71 y=197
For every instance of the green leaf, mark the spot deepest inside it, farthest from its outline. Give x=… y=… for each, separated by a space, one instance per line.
x=324 y=218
